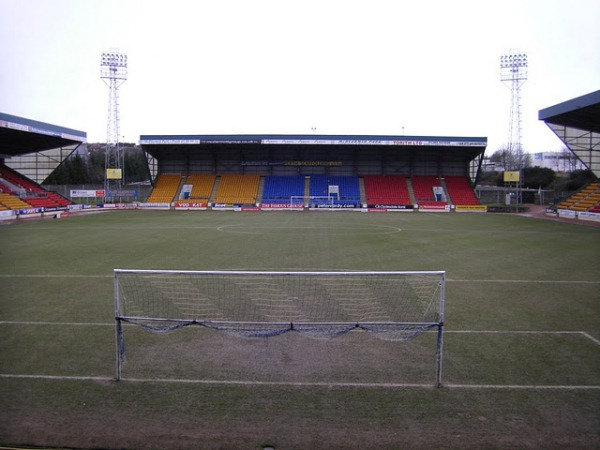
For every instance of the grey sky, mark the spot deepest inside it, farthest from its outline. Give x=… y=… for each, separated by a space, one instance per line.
x=345 y=67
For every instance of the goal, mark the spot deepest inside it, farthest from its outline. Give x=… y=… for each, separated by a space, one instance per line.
x=393 y=306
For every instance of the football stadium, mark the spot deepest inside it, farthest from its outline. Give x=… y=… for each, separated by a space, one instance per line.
x=297 y=291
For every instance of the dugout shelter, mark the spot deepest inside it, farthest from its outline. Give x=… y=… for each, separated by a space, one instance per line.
x=576 y=122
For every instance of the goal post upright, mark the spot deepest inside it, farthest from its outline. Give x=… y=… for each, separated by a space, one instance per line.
x=392 y=306
x=118 y=328
x=440 y=333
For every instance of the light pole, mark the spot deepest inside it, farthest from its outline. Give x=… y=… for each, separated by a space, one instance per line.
x=513 y=71
x=113 y=71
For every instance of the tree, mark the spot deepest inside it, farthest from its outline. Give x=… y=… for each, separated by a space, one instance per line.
x=136 y=166
x=510 y=158
x=536 y=177
x=579 y=178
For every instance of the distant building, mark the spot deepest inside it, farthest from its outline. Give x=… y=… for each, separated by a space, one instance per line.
x=557 y=161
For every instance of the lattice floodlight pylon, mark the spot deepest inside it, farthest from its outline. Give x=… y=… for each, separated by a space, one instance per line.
x=394 y=306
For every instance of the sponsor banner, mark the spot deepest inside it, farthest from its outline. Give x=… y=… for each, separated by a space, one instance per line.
x=314 y=163
x=122 y=193
x=334 y=206
x=234 y=205
x=113 y=174
x=155 y=205
x=23 y=212
x=56 y=208
x=79 y=193
x=391 y=210
x=281 y=206
x=444 y=208
x=586 y=215
x=475 y=208
x=567 y=214
x=385 y=206
x=191 y=206
x=7 y=215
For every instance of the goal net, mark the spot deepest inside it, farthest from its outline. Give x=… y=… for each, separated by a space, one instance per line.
x=393 y=306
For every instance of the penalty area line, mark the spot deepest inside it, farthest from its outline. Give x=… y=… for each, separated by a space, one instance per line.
x=304 y=384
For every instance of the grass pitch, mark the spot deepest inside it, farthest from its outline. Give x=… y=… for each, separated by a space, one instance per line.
x=521 y=353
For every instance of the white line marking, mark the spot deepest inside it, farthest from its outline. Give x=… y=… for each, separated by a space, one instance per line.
x=449 y=280
x=6 y=275
x=593 y=339
x=305 y=384
x=111 y=324
x=511 y=332
x=69 y=324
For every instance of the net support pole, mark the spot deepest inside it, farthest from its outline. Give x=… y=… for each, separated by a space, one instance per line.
x=118 y=329
x=438 y=356
x=440 y=336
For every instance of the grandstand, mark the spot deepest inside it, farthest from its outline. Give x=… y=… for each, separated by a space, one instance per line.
x=319 y=171
x=29 y=152
x=577 y=124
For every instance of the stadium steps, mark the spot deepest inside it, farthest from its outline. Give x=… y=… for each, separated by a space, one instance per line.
x=411 y=191
x=261 y=189
x=361 y=189
x=215 y=189
x=585 y=199
x=307 y=187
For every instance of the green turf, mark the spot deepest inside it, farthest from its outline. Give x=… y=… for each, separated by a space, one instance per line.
x=505 y=273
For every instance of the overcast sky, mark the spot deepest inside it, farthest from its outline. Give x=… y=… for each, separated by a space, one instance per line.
x=427 y=68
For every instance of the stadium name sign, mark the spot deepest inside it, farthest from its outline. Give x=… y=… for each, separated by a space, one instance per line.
x=411 y=142
x=293 y=163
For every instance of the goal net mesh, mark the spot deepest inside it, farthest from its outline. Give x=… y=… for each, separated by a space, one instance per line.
x=391 y=305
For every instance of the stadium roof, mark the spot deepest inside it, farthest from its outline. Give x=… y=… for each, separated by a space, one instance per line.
x=19 y=136
x=160 y=145
x=577 y=123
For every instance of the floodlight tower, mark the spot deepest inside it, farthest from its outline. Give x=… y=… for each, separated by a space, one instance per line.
x=513 y=71
x=113 y=71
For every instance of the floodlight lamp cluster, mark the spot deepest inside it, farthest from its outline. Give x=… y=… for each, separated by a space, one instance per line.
x=513 y=67
x=113 y=65
x=513 y=60
x=113 y=58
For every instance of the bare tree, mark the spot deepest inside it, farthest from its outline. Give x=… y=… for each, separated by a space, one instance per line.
x=511 y=158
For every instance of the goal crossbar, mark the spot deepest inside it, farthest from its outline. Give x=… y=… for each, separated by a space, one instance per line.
x=394 y=306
